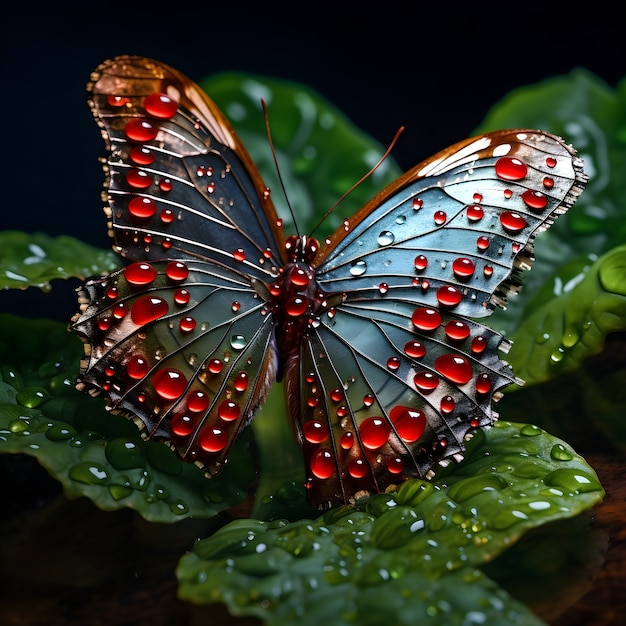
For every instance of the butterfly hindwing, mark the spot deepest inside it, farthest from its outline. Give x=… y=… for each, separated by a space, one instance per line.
x=188 y=352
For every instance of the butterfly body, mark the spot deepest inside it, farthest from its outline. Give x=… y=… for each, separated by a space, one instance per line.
x=386 y=369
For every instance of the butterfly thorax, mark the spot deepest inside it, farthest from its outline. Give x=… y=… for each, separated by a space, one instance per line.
x=296 y=299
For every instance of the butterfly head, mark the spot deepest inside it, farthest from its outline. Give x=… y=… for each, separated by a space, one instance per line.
x=301 y=249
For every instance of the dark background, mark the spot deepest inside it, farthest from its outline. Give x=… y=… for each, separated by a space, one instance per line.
x=434 y=68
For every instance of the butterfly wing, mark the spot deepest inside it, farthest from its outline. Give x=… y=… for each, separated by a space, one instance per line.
x=179 y=181
x=179 y=338
x=400 y=370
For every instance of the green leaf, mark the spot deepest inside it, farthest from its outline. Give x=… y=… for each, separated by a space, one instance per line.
x=559 y=333
x=320 y=153
x=90 y=451
x=33 y=260
x=427 y=537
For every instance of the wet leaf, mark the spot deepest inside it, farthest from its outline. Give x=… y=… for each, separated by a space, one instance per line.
x=33 y=260
x=570 y=324
x=402 y=549
x=90 y=451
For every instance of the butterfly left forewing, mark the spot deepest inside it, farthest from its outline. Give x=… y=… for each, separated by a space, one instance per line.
x=179 y=181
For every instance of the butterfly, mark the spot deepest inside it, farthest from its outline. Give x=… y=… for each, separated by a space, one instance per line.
x=387 y=370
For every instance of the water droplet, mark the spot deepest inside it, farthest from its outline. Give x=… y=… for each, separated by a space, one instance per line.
x=374 y=432
x=383 y=288
x=440 y=217
x=463 y=268
x=414 y=349
x=395 y=465
x=426 y=319
x=572 y=480
x=138 y=179
x=409 y=423
x=160 y=105
x=560 y=453
x=296 y=306
x=140 y=273
x=510 y=168
x=450 y=296
x=239 y=255
x=479 y=343
x=455 y=368
x=482 y=243
x=147 y=309
x=346 y=441
x=457 y=330
x=213 y=439
x=557 y=355
x=181 y=297
x=177 y=271
x=421 y=262
x=488 y=271
x=358 y=268
x=417 y=204
x=60 y=431
x=187 y=324
x=535 y=200
x=393 y=363
x=215 y=366
x=299 y=277
x=508 y=194
x=32 y=397
x=385 y=238
x=401 y=219
x=141 y=155
x=548 y=183
x=169 y=383
x=240 y=382
x=117 y=101
x=467 y=488
x=512 y=222
x=124 y=454
x=165 y=185
x=238 y=342
x=550 y=162
x=336 y=394
x=358 y=468
x=474 y=213
x=228 y=410
x=315 y=431
x=183 y=424
x=140 y=129
x=447 y=405
x=142 y=208
x=136 y=367
x=530 y=430
x=322 y=463
x=368 y=399
x=483 y=383
x=89 y=473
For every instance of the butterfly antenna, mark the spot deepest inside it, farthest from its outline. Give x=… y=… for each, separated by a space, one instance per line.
x=280 y=178
x=358 y=182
